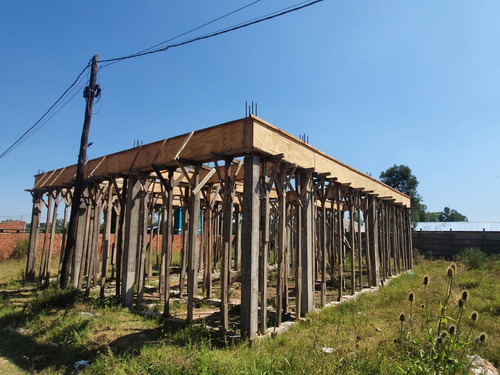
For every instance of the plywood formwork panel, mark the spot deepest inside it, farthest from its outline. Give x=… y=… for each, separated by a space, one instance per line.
x=272 y=140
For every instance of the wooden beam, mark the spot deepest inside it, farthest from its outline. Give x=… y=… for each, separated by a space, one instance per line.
x=306 y=246
x=34 y=235
x=166 y=246
x=193 y=245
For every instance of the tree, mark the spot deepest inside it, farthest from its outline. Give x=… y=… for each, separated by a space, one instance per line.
x=452 y=215
x=400 y=178
x=447 y=214
x=432 y=217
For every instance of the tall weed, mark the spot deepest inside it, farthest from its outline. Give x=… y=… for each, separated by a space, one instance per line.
x=430 y=343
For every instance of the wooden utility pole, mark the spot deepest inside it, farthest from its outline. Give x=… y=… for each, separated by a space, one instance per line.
x=91 y=91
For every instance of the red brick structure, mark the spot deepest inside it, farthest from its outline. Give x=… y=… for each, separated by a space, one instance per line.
x=10 y=232
x=9 y=240
x=12 y=226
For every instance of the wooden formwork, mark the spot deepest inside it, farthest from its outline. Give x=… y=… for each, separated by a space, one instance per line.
x=292 y=226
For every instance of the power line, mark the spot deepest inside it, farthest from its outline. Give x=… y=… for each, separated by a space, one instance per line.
x=73 y=93
x=191 y=30
x=28 y=133
x=38 y=124
x=44 y=119
x=214 y=34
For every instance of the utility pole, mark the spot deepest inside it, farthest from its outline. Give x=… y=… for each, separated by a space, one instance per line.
x=90 y=92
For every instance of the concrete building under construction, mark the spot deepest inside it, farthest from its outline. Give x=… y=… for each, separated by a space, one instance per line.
x=268 y=223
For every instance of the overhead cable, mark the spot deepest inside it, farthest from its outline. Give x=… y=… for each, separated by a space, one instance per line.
x=149 y=51
x=214 y=34
x=28 y=133
x=186 y=32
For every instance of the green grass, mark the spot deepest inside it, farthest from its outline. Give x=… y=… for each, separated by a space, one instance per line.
x=11 y=271
x=361 y=333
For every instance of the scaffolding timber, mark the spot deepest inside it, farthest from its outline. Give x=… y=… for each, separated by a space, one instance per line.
x=288 y=224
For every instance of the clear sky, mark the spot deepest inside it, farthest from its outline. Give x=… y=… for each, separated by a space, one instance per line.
x=371 y=83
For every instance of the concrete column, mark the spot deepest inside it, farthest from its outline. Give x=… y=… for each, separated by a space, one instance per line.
x=130 y=241
x=63 y=237
x=250 y=248
x=93 y=260
x=237 y=238
x=106 y=243
x=81 y=224
x=143 y=233
x=264 y=247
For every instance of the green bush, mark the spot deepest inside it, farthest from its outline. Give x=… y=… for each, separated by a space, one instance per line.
x=20 y=248
x=474 y=258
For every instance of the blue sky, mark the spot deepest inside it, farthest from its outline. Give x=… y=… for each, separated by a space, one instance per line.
x=371 y=83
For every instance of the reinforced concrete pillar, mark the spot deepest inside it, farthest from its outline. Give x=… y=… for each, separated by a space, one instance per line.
x=76 y=262
x=131 y=240
x=250 y=248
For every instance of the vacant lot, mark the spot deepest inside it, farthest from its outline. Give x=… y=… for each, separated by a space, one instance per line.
x=48 y=331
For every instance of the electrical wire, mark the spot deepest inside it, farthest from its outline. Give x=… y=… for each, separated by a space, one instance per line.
x=149 y=51
x=45 y=117
x=52 y=114
x=217 y=33
x=189 y=31
x=38 y=124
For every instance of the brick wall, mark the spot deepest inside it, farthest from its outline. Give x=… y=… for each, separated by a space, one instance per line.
x=8 y=241
x=12 y=226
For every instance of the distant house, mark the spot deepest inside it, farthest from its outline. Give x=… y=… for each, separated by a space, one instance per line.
x=447 y=239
